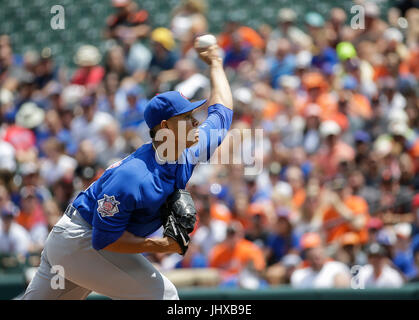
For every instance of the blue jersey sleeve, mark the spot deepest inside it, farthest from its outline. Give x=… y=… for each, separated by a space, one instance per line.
x=118 y=196
x=211 y=133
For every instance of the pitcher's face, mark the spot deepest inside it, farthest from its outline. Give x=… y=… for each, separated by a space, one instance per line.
x=184 y=128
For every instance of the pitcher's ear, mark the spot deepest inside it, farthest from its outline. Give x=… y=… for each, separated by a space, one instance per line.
x=163 y=124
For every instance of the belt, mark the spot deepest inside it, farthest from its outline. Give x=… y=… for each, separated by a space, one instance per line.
x=70 y=211
x=75 y=216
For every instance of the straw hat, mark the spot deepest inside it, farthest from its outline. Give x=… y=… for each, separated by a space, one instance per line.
x=87 y=56
x=30 y=115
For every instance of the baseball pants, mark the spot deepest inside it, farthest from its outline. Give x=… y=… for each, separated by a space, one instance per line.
x=116 y=275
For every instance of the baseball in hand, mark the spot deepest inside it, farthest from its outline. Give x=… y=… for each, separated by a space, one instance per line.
x=205 y=41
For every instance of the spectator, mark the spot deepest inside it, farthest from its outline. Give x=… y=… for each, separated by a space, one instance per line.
x=45 y=70
x=236 y=253
x=115 y=62
x=237 y=52
x=311 y=135
x=344 y=212
x=282 y=240
x=52 y=212
x=7 y=157
x=257 y=231
x=57 y=164
x=189 y=18
x=378 y=273
x=247 y=35
x=134 y=115
x=114 y=146
x=415 y=209
x=55 y=127
x=280 y=273
x=9 y=71
x=138 y=58
x=14 y=239
x=209 y=232
x=402 y=254
x=333 y=150
x=374 y=226
x=192 y=84
x=415 y=250
x=32 y=218
x=284 y=62
x=128 y=19
x=287 y=29
x=320 y=272
x=90 y=73
x=350 y=250
x=90 y=123
x=163 y=54
x=30 y=178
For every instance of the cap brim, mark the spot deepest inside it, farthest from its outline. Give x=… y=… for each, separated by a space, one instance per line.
x=192 y=106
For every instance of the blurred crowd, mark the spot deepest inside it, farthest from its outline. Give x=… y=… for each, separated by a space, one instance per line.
x=337 y=203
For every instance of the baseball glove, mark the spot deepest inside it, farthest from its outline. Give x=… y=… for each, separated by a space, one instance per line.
x=178 y=215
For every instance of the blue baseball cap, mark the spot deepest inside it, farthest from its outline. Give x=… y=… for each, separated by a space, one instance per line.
x=166 y=105
x=314 y=19
x=350 y=83
x=9 y=210
x=362 y=136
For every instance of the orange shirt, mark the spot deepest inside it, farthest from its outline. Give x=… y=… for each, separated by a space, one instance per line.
x=298 y=198
x=234 y=259
x=270 y=110
x=327 y=103
x=358 y=206
x=380 y=71
x=410 y=64
x=247 y=34
x=340 y=119
x=360 y=106
x=221 y=212
x=29 y=219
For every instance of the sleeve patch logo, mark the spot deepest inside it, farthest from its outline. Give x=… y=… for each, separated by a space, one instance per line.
x=108 y=206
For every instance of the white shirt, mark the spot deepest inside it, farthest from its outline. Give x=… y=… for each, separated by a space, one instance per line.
x=180 y=25
x=191 y=85
x=53 y=172
x=389 y=278
x=39 y=234
x=81 y=129
x=325 y=278
x=208 y=237
x=139 y=58
x=109 y=153
x=397 y=102
x=7 y=156
x=17 y=240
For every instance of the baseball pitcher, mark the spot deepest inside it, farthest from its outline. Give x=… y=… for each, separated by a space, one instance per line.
x=98 y=240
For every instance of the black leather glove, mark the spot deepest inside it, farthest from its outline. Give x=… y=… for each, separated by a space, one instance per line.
x=178 y=215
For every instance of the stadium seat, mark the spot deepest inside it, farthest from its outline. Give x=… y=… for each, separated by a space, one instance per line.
x=10 y=263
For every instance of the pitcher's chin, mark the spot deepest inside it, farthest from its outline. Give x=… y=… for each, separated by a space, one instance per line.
x=192 y=143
